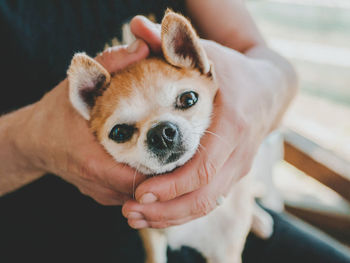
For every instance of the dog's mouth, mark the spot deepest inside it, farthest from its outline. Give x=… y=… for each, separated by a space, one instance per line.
x=169 y=161
x=173 y=157
x=155 y=173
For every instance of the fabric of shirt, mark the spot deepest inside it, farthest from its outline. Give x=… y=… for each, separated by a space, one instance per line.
x=50 y=220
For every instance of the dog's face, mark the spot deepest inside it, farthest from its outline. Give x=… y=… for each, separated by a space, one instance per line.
x=152 y=114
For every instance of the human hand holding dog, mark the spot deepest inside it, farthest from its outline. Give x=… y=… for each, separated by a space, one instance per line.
x=252 y=96
x=58 y=140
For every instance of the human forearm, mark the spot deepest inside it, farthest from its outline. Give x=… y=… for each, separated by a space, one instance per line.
x=15 y=169
x=283 y=82
x=230 y=24
x=227 y=22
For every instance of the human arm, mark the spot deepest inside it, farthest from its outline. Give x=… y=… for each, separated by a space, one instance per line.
x=49 y=136
x=15 y=169
x=256 y=86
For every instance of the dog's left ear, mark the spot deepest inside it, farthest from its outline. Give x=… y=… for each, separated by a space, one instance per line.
x=87 y=80
x=180 y=44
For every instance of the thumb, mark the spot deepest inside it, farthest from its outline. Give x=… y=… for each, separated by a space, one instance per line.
x=116 y=58
x=216 y=147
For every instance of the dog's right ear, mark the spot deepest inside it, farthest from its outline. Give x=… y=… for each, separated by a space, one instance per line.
x=87 y=80
x=181 y=45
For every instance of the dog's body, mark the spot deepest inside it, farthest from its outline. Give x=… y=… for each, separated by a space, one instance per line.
x=219 y=236
x=151 y=116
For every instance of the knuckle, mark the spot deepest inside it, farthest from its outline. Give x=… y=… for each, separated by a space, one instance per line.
x=84 y=191
x=105 y=201
x=105 y=197
x=173 y=190
x=87 y=175
x=88 y=169
x=156 y=217
x=241 y=126
x=206 y=172
x=109 y=197
x=202 y=206
x=102 y=202
x=245 y=170
x=110 y=194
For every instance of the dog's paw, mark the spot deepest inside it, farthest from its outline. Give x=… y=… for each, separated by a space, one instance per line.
x=262 y=224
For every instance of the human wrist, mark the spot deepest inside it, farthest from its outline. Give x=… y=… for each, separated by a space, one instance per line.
x=258 y=84
x=24 y=138
x=282 y=79
x=33 y=136
x=263 y=52
x=16 y=168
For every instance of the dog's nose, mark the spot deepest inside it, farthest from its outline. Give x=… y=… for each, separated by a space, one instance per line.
x=163 y=136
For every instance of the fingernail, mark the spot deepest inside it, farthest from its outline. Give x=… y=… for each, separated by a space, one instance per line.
x=146 y=20
x=135 y=215
x=148 y=198
x=153 y=26
x=132 y=48
x=139 y=224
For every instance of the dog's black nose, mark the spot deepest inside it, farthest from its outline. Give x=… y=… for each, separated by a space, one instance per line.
x=163 y=136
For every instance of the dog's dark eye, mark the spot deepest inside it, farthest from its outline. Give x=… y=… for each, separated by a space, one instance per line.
x=121 y=133
x=186 y=100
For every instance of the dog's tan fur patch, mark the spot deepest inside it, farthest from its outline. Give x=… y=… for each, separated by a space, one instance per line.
x=141 y=78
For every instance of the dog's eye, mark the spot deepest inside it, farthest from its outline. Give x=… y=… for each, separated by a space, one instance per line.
x=121 y=132
x=186 y=100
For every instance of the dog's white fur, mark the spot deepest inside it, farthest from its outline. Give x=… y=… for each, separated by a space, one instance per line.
x=191 y=128
x=219 y=236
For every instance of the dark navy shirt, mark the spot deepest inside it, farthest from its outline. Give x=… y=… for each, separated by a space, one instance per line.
x=49 y=220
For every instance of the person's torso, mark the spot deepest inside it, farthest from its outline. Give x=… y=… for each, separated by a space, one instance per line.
x=50 y=220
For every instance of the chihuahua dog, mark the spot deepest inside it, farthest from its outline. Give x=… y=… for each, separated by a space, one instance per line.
x=151 y=116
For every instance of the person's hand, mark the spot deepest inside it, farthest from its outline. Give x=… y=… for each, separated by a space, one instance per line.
x=246 y=107
x=55 y=138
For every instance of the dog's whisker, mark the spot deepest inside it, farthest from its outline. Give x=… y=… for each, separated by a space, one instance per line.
x=217 y=136
x=134 y=181
x=214 y=134
x=203 y=148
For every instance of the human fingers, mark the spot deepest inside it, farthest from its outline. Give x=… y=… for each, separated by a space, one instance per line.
x=101 y=194
x=102 y=169
x=164 y=214
x=119 y=57
x=182 y=209
x=145 y=29
x=216 y=146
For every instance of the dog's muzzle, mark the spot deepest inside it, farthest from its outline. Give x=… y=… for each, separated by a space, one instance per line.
x=164 y=141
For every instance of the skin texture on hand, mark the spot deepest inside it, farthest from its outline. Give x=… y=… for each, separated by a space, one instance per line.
x=252 y=95
x=58 y=140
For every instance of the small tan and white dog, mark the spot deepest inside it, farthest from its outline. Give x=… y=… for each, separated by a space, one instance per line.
x=151 y=116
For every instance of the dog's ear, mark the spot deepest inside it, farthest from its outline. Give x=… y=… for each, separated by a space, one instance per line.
x=87 y=80
x=180 y=43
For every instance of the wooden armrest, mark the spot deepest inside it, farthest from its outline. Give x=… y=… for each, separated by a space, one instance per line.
x=317 y=162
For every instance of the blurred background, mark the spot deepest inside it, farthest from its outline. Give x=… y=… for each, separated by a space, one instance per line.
x=314 y=177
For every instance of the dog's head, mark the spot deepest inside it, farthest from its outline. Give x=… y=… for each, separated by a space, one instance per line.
x=152 y=114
